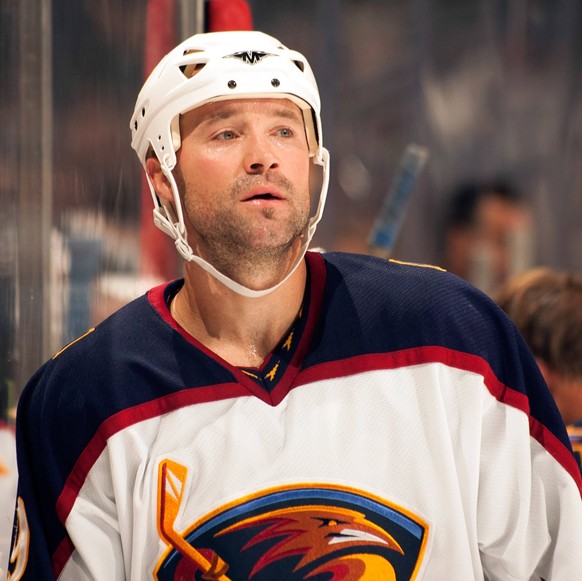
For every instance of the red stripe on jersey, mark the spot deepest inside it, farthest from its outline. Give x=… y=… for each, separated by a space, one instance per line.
x=129 y=417
x=62 y=555
x=459 y=360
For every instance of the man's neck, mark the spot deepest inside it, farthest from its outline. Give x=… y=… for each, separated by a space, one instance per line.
x=241 y=330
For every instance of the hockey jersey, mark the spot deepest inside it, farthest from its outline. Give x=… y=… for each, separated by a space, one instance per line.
x=401 y=430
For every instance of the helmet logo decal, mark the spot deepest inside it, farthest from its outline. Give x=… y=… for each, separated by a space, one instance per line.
x=251 y=57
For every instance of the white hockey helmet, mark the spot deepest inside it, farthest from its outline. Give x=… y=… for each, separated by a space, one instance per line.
x=212 y=67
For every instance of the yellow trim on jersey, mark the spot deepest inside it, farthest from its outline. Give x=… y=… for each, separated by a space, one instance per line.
x=417 y=264
x=288 y=342
x=73 y=341
x=272 y=373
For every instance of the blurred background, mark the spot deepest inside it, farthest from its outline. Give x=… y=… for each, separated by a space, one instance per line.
x=491 y=88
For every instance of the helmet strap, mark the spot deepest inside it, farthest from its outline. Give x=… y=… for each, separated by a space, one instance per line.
x=172 y=223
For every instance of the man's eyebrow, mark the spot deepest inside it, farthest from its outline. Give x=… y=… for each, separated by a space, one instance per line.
x=228 y=112
x=219 y=115
x=288 y=114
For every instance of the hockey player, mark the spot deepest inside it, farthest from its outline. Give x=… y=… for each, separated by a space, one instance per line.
x=278 y=413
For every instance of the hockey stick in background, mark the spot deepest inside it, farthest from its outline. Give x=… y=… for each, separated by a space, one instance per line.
x=171 y=481
x=386 y=227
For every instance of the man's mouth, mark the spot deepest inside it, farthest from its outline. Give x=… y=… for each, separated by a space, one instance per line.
x=263 y=194
x=263 y=197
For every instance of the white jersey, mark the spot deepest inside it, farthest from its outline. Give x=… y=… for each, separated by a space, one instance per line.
x=401 y=430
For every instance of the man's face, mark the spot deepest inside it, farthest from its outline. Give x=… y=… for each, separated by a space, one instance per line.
x=495 y=246
x=499 y=228
x=243 y=174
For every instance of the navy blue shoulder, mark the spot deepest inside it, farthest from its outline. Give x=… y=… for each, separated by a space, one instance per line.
x=132 y=357
x=395 y=305
x=373 y=305
x=134 y=347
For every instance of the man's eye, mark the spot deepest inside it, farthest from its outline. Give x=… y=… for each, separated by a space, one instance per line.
x=285 y=132
x=226 y=135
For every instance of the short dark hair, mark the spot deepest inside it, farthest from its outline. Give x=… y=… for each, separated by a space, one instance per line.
x=462 y=207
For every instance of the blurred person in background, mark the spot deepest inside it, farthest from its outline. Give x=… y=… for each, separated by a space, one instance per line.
x=487 y=233
x=546 y=306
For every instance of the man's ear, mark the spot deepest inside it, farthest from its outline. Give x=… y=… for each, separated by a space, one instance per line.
x=159 y=180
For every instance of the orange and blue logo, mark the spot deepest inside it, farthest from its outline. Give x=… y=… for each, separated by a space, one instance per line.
x=312 y=532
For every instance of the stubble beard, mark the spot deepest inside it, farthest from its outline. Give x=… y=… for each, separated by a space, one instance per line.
x=244 y=248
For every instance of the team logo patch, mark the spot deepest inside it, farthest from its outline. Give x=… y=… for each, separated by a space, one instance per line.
x=312 y=532
x=250 y=57
x=20 y=544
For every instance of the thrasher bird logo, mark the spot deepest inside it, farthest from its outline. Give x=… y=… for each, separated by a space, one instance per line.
x=250 y=57
x=294 y=533
x=318 y=532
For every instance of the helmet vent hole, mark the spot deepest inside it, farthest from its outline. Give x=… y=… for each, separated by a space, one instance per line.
x=231 y=84
x=143 y=112
x=135 y=125
x=190 y=71
x=300 y=65
x=275 y=82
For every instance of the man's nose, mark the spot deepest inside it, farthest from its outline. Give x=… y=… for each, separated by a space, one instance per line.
x=260 y=155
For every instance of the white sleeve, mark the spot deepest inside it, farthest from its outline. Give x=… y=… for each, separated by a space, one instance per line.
x=530 y=508
x=93 y=529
